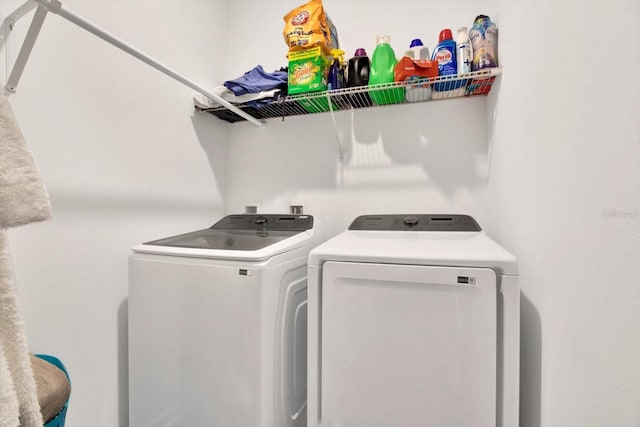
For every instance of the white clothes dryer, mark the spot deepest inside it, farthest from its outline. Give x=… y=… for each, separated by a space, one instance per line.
x=218 y=323
x=413 y=321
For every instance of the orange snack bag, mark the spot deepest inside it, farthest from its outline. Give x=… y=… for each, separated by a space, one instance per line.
x=306 y=27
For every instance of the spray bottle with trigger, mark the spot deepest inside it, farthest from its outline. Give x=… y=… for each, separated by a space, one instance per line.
x=336 y=70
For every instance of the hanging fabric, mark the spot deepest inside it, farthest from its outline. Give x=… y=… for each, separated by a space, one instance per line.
x=23 y=200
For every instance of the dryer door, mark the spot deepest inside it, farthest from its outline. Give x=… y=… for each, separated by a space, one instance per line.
x=407 y=345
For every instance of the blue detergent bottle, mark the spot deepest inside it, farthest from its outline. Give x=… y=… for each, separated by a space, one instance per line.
x=445 y=54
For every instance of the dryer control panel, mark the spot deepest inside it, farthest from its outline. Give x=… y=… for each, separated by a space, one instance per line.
x=411 y=222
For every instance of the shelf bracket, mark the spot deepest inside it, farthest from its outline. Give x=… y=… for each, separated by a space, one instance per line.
x=10 y=20
x=27 y=47
x=335 y=126
x=55 y=7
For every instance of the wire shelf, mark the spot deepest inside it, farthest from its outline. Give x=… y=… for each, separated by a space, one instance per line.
x=421 y=90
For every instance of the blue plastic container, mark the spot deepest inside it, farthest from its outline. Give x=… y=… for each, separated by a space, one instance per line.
x=445 y=54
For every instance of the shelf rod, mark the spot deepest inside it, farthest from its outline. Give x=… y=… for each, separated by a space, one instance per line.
x=27 y=47
x=54 y=6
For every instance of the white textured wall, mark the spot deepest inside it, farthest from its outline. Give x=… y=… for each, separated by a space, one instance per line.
x=424 y=158
x=557 y=181
x=125 y=161
x=565 y=190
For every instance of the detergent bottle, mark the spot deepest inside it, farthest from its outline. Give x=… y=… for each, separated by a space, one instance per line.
x=484 y=39
x=445 y=55
x=383 y=62
x=417 y=50
x=336 y=70
x=463 y=57
x=358 y=69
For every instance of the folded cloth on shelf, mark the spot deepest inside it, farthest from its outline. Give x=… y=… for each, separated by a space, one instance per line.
x=257 y=80
x=255 y=99
x=23 y=199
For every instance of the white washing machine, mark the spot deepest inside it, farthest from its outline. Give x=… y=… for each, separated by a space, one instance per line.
x=218 y=324
x=413 y=321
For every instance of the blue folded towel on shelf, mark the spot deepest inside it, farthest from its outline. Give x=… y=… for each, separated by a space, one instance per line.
x=257 y=80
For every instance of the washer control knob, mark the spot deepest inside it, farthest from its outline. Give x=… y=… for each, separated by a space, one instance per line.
x=410 y=220
x=261 y=220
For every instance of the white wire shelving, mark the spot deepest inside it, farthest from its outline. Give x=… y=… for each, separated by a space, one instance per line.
x=472 y=84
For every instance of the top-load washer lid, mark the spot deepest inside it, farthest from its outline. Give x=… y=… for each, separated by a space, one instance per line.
x=244 y=236
x=440 y=240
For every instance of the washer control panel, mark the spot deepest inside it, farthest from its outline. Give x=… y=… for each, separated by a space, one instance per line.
x=265 y=222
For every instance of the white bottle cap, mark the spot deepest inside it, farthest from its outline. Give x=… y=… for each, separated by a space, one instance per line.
x=383 y=38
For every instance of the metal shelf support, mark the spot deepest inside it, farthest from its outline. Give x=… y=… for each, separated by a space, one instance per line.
x=476 y=83
x=55 y=7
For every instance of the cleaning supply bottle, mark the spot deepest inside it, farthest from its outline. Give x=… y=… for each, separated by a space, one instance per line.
x=336 y=70
x=445 y=54
x=383 y=62
x=463 y=49
x=417 y=50
x=358 y=70
x=484 y=39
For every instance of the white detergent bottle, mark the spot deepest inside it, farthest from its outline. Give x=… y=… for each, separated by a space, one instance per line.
x=463 y=46
x=417 y=50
